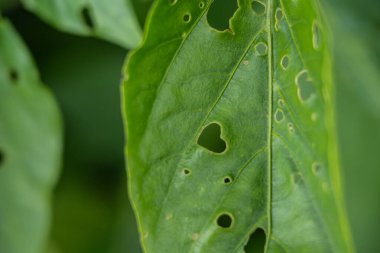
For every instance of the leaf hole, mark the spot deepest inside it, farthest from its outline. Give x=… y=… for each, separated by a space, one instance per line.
x=228 y=180
x=220 y=13
x=305 y=85
x=13 y=75
x=256 y=242
x=281 y=102
x=1 y=158
x=285 y=62
x=87 y=17
x=316 y=36
x=225 y=220
x=258 y=7
x=210 y=138
x=186 y=172
x=187 y=18
x=261 y=49
x=279 y=115
x=201 y=5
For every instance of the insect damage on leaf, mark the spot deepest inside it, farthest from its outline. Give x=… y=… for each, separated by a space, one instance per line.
x=238 y=110
x=210 y=138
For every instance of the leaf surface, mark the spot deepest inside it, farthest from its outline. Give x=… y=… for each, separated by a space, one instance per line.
x=30 y=149
x=113 y=20
x=264 y=86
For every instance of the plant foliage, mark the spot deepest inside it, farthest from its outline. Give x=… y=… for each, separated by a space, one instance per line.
x=30 y=149
x=232 y=130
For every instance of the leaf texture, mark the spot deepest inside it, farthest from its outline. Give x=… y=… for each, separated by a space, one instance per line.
x=30 y=149
x=266 y=82
x=113 y=20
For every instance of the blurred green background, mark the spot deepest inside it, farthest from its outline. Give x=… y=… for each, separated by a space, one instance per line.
x=91 y=209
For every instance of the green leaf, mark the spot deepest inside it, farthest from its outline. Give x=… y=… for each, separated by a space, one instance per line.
x=30 y=149
x=113 y=20
x=357 y=64
x=261 y=92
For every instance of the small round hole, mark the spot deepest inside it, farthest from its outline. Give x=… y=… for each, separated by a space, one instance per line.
x=187 y=18
x=224 y=220
x=186 y=172
x=227 y=180
x=201 y=5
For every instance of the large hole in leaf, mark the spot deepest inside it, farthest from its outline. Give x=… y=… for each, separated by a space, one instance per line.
x=87 y=17
x=256 y=242
x=224 y=220
x=220 y=13
x=210 y=138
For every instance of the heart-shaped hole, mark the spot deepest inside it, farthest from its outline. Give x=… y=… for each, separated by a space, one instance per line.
x=210 y=138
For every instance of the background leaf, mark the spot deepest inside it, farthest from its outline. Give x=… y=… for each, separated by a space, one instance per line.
x=265 y=82
x=113 y=20
x=30 y=149
x=84 y=73
x=355 y=28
